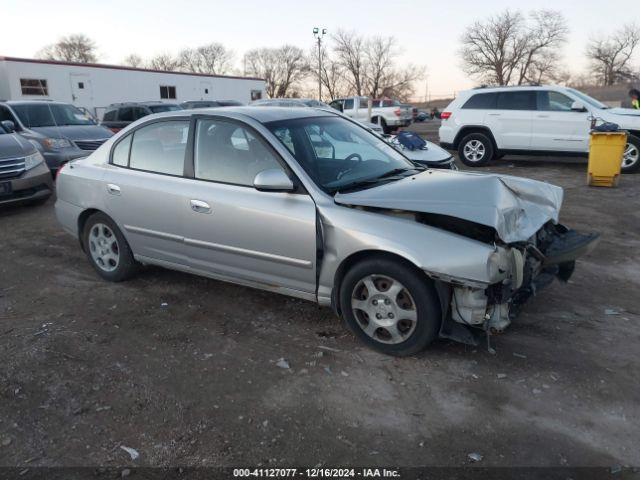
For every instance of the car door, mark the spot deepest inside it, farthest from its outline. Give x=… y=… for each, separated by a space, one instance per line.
x=558 y=128
x=236 y=232
x=511 y=121
x=145 y=189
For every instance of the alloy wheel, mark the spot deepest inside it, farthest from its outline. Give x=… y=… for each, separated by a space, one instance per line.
x=474 y=151
x=384 y=309
x=631 y=155
x=103 y=246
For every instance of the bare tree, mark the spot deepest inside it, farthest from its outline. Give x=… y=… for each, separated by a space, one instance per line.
x=349 y=49
x=213 y=58
x=332 y=75
x=73 y=48
x=165 y=62
x=507 y=49
x=282 y=68
x=369 y=65
x=611 y=57
x=133 y=60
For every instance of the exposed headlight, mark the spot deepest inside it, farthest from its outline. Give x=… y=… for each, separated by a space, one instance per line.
x=55 y=143
x=33 y=160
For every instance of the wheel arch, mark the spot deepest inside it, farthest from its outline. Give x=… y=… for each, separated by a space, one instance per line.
x=360 y=256
x=474 y=129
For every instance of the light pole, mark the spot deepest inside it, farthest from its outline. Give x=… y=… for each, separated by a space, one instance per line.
x=318 y=33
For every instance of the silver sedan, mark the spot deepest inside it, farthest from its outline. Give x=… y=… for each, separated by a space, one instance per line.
x=309 y=204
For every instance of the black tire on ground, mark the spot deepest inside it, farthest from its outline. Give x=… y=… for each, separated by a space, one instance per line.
x=475 y=150
x=385 y=128
x=126 y=265
x=633 y=145
x=423 y=299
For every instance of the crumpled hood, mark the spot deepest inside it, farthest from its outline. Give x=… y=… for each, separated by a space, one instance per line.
x=515 y=207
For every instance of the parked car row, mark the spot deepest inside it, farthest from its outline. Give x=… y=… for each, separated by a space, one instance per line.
x=310 y=203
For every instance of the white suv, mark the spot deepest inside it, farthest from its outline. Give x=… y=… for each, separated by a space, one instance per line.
x=487 y=123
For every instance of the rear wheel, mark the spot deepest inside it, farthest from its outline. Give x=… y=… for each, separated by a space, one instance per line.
x=390 y=306
x=107 y=249
x=631 y=159
x=475 y=150
x=385 y=128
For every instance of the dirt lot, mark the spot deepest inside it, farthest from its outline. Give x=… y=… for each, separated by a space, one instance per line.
x=183 y=369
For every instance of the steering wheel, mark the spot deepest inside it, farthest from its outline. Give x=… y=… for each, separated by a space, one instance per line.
x=353 y=156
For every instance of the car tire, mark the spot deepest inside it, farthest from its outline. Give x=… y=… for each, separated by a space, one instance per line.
x=385 y=128
x=475 y=150
x=107 y=249
x=631 y=160
x=402 y=315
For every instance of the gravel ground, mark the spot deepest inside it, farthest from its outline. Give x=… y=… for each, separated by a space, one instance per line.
x=185 y=369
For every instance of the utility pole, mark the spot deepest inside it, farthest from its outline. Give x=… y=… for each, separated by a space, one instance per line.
x=318 y=33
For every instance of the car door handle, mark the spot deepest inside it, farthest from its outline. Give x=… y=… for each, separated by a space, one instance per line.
x=543 y=116
x=495 y=114
x=199 y=206
x=113 y=189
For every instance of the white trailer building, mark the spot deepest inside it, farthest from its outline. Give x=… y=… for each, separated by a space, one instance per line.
x=94 y=86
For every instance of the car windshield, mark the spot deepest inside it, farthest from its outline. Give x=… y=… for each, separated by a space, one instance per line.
x=586 y=98
x=339 y=155
x=51 y=115
x=164 y=108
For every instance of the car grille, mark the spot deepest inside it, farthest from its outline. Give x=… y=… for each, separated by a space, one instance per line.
x=89 y=144
x=11 y=167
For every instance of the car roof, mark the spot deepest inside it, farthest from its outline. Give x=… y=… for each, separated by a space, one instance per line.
x=511 y=88
x=35 y=102
x=261 y=114
x=147 y=104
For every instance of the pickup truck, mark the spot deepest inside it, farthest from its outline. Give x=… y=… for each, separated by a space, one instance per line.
x=389 y=114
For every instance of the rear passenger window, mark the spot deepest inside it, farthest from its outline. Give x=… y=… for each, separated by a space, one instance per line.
x=228 y=153
x=482 y=101
x=110 y=116
x=160 y=147
x=126 y=114
x=516 y=100
x=348 y=104
x=121 y=152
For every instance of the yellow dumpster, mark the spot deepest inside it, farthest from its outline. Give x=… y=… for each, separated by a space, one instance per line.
x=606 y=150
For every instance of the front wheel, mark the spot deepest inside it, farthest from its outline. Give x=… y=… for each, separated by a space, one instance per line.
x=631 y=158
x=475 y=150
x=107 y=249
x=390 y=306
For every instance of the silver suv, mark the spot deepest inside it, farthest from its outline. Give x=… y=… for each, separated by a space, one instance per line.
x=306 y=203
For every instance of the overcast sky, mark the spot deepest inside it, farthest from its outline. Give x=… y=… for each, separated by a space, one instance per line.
x=428 y=31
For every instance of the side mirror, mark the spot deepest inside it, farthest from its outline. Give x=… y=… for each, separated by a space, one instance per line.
x=9 y=126
x=273 y=180
x=578 y=107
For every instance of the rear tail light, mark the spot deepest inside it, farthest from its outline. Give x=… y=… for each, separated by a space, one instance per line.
x=445 y=115
x=398 y=112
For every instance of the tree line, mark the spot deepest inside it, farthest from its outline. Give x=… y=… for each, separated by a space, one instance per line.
x=513 y=48
x=508 y=48
x=352 y=64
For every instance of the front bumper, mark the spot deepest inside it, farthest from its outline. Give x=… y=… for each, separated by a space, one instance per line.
x=551 y=253
x=33 y=185
x=56 y=159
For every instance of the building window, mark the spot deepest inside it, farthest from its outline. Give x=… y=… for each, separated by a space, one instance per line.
x=256 y=95
x=206 y=90
x=167 y=92
x=31 y=86
x=80 y=85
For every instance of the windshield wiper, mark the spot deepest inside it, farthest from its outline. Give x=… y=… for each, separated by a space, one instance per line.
x=372 y=181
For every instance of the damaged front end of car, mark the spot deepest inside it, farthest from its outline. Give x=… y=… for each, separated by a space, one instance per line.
x=526 y=268
x=516 y=218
